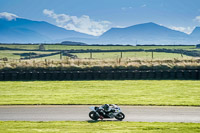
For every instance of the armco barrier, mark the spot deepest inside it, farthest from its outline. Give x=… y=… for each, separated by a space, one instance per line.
x=100 y=75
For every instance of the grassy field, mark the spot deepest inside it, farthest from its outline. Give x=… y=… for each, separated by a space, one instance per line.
x=135 y=55
x=65 y=47
x=139 y=92
x=10 y=54
x=68 y=47
x=100 y=127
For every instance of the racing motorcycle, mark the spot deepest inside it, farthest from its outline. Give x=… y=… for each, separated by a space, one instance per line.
x=97 y=113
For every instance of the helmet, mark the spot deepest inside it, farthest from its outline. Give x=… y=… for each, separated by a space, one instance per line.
x=106 y=107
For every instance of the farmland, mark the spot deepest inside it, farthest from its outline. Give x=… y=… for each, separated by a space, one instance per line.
x=133 y=55
x=70 y=47
x=12 y=49
x=12 y=58
x=10 y=54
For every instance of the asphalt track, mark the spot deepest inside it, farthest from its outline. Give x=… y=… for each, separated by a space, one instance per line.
x=80 y=113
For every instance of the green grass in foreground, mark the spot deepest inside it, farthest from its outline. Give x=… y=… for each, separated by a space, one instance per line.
x=103 y=127
x=126 y=92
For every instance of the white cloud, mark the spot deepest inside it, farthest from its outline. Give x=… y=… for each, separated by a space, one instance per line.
x=197 y=18
x=8 y=16
x=118 y=26
x=187 y=30
x=81 y=24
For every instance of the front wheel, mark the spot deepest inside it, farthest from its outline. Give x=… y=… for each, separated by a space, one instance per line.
x=93 y=115
x=120 y=116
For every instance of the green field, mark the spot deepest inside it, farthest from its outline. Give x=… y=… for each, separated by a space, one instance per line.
x=69 y=47
x=100 y=127
x=137 y=92
x=135 y=55
x=10 y=54
x=65 y=47
x=132 y=55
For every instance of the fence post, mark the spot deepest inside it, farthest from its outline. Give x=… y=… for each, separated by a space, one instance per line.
x=90 y=55
x=61 y=55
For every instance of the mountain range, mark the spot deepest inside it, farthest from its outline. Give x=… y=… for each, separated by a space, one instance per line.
x=27 y=31
x=147 y=33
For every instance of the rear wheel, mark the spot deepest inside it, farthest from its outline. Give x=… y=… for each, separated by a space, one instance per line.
x=93 y=115
x=120 y=116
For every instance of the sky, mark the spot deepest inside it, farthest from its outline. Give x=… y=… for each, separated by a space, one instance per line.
x=94 y=17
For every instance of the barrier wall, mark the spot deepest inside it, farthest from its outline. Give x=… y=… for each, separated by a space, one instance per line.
x=100 y=75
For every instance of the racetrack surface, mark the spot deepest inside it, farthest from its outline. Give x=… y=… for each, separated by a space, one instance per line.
x=80 y=113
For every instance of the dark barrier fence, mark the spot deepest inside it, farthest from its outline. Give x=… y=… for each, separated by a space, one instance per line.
x=100 y=75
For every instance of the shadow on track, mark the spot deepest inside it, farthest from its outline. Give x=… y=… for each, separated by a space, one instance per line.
x=93 y=121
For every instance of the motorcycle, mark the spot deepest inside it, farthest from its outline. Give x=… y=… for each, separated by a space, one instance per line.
x=96 y=114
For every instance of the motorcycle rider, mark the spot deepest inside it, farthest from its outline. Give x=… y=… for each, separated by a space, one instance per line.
x=107 y=109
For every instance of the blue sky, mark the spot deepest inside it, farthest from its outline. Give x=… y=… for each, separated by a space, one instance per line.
x=97 y=16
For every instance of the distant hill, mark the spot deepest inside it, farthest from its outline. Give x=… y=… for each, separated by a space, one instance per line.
x=147 y=33
x=28 y=31
x=72 y=43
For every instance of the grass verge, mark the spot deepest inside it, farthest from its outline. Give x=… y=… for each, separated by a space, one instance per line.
x=104 y=127
x=124 y=92
x=101 y=64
